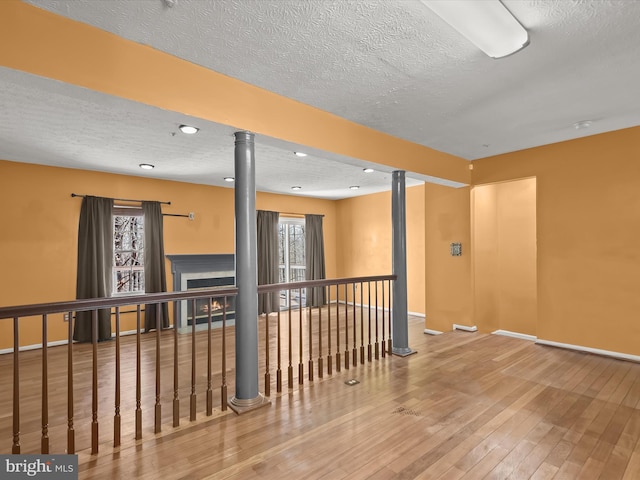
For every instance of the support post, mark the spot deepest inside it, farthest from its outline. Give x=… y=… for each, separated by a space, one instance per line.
x=400 y=334
x=247 y=396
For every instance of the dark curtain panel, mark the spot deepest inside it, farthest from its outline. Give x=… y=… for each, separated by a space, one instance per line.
x=267 y=258
x=155 y=279
x=314 y=253
x=95 y=262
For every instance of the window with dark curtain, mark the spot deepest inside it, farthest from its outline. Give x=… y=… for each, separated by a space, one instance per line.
x=314 y=248
x=95 y=260
x=267 y=233
x=154 y=264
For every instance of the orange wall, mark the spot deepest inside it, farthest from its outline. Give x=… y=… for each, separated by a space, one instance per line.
x=38 y=239
x=588 y=225
x=504 y=256
x=415 y=249
x=448 y=278
x=365 y=243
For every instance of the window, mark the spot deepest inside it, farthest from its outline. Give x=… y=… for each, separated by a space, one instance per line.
x=291 y=254
x=128 y=251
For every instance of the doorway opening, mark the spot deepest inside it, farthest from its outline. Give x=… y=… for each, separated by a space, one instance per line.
x=505 y=256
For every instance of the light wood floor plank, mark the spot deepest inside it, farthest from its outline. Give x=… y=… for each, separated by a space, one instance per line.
x=544 y=472
x=466 y=406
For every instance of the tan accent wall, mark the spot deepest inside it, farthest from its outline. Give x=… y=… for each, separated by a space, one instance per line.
x=588 y=225
x=504 y=256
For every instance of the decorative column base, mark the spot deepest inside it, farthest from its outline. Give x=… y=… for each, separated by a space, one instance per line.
x=241 y=406
x=403 y=352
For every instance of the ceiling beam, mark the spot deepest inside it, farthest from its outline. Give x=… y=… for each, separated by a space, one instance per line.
x=45 y=44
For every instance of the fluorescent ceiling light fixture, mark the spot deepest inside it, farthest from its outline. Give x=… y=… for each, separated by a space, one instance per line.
x=354 y=187
x=296 y=188
x=146 y=166
x=368 y=170
x=486 y=23
x=300 y=154
x=188 y=129
x=229 y=179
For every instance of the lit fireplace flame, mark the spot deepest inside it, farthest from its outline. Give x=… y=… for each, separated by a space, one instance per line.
x=214 y=306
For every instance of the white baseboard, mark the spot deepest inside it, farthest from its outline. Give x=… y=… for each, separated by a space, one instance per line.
x=465 y=328
x=521 y=336
x=597 y=351
x=364 y=305
x=359 y=305
x=428 y=331
x=35 y=346
x=57 y=343
x=413 y=314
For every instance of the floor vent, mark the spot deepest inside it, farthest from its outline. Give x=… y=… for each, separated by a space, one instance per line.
x=407 y=411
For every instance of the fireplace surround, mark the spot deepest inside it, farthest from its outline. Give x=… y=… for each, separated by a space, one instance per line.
x=200 y=271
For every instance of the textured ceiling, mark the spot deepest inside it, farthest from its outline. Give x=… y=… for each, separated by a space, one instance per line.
x=51 y=123
x=391 y=65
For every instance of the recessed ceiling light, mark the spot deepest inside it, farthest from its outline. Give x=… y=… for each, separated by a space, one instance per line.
x=300 y=154
x=368 y=170
x=146 y=166
x=229 y=179
x=354 y=187
x=296 y=188
x=582 y=124
x=188 y=129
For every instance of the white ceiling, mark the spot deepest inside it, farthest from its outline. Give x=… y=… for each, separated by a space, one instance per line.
x=391 y=65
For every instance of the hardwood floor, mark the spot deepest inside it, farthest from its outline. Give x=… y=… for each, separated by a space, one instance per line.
x=466 y=406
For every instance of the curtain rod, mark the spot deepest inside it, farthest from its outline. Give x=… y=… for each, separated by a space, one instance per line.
x=123 y=199
x=300 y=215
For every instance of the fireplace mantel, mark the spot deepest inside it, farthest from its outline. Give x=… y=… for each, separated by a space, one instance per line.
x=199 y=263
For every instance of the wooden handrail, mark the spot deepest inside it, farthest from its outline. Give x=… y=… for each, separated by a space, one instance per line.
x=81 y=305
x=325 y=282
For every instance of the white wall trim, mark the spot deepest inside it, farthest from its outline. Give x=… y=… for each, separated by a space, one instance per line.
x=57 y=343
x=521 y=336
x=428 y=331
x=465 y=328
x=597 y=351
x=35 y=346
x=372 y=307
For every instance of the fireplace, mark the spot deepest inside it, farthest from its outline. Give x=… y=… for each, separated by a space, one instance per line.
x=203 y=271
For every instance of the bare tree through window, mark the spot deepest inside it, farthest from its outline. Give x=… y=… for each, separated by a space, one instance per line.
x=292 y=263
x=128 y=249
